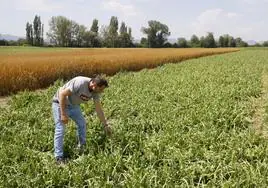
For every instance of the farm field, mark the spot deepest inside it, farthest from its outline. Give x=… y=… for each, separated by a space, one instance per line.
x=34 y=68
x=185 y=125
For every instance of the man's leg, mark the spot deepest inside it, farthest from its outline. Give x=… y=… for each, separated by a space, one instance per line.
x=59 y=131
x=78 y=118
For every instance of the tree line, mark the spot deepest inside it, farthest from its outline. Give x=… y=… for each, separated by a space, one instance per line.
x=64 y=32
x=35 y=32
x=68 y=33
x=209 y=41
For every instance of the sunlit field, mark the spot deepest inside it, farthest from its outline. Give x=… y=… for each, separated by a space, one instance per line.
x=33 y=68
x=178 y=125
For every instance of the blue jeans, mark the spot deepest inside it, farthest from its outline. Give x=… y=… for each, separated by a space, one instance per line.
x=73 y=112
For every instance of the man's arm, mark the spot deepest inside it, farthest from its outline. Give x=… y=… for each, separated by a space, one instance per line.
x=62 y=96
x=100 y=112
x=102 y=117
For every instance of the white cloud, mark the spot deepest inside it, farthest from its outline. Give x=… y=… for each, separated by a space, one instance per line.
x=117 y=6
x=36 y=5
x=79 y=1
x=254 y=2
x=209 y=16
x=220 y=22
x=231 y=15
x=143 y=1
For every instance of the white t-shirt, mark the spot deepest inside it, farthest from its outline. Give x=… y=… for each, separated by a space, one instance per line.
x=80 y=91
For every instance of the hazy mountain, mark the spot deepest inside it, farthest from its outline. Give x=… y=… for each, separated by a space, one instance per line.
x=170 y=40
x=9 y=37
x=251 y=42
x=15 y=38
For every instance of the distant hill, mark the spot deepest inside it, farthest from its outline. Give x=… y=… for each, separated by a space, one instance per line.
x=170 y=40
x=9 y=37
x=251 y=42
x=14 y=38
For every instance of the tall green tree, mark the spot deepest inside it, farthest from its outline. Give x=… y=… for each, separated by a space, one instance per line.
x=195 y=42
x=123 y=28
x=231 y=42
x=3 y=42
x=37 y=31
x=144 y=42
x=157 y=33
x=104 y=35
x=73 y=34
x=113 y=32
x=238 y=41
x=221 y=42
x=125 y=38
x=29 y=33
x=42 y=35
x=94 y=34
x=130 y=32
x=182 y=43
x=209 y=41
x=130 y=38
x=80 y=34
x=202 y=41
x=265 y=44
x=60 y=29
x=94 y=26
x=226 y=40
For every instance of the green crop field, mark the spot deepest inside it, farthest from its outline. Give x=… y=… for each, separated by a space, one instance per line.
x=185 y=125
x=11 y=50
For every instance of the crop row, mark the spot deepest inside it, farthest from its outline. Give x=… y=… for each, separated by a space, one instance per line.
x=20 y=71
x=179 y=125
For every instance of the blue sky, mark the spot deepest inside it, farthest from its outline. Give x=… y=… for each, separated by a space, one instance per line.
x=245 y=18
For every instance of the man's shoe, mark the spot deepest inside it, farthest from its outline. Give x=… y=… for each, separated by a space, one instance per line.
x=60 y=161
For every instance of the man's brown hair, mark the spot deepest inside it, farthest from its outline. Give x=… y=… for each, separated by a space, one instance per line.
x=100 y=81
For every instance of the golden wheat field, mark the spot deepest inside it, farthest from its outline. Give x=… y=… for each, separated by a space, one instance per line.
x=34 y=68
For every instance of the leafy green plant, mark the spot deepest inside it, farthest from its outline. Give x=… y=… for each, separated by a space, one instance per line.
x=182 y=125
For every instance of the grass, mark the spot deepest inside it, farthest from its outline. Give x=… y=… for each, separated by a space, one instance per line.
x=14 y=50
x=181 y=125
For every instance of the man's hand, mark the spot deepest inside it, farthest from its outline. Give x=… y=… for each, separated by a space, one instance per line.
x=64 y=118
x=107 y=129
x=100 y=114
